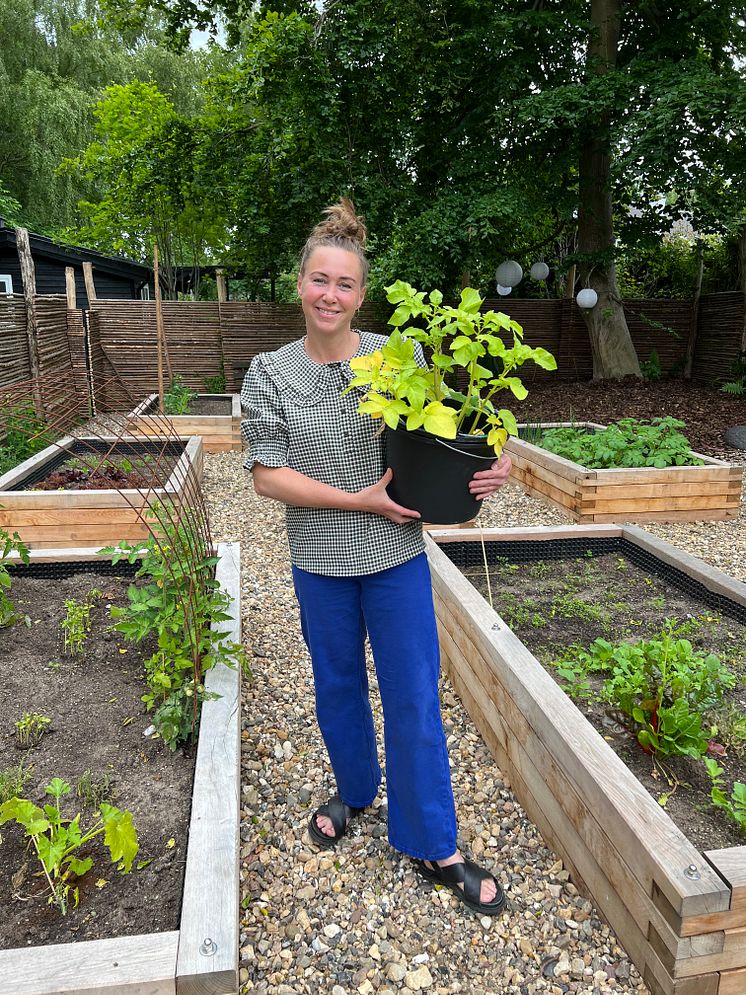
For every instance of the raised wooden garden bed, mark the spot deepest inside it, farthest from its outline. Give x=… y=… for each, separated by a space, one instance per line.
x=61 y=518
x=201 y=956
x=216 y=417
x=679 y=913
x=647 y=494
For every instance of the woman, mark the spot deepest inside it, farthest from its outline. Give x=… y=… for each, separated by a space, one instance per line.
x=359 y=568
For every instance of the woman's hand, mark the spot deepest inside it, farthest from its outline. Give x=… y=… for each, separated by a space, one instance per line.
x=375 y=500
x=486 y=482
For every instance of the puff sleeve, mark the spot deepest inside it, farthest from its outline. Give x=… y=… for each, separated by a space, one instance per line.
x=264 y=426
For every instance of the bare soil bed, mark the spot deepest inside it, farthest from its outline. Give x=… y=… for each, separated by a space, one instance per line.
x=555 y=605
x=97 y=725
x=205 y=405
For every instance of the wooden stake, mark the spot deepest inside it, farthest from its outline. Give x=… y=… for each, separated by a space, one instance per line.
x=70 y=288
x=221 y=285
x=694 y=326
x=28 y=275
x=158 y=327
x=90 y=287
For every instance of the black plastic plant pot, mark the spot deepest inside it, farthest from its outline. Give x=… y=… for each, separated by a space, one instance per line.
x=431 y=474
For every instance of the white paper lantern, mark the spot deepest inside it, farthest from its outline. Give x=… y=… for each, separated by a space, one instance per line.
x=587 y=298
x=503 y=291
x=539 y=271
x=509 y=273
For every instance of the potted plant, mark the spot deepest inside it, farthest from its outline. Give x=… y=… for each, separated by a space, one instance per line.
x=438 y=434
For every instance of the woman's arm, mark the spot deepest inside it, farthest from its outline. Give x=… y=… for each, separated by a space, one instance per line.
x=291 y=487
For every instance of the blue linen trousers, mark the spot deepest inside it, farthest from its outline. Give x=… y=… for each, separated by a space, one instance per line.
x=395 y=608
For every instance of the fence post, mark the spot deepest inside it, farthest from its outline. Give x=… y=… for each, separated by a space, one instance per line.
x=28 y=275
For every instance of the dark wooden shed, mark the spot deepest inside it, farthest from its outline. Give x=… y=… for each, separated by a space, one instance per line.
x=113 y=276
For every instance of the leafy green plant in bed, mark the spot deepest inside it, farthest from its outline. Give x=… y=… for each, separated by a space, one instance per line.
x=30 y=728
x=733 y=806
x=9 y=544
x=627 y=443
x=58 y=841
x=13 y=781
x=22 y=434
x=215 y=384
x=178 y=397
x=662 y=684
x=178 y=604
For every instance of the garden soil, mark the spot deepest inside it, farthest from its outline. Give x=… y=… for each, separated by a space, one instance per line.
x=554 y=606
x=97 y=726
x=707 y=413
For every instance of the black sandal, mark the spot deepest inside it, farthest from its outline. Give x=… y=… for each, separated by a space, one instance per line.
x=470 y=875
x=340 y=815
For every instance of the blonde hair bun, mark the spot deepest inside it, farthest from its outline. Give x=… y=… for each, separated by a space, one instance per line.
x=342 y=228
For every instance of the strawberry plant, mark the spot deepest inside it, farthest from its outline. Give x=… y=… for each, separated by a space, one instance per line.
x=627 y=443
x=57 y=841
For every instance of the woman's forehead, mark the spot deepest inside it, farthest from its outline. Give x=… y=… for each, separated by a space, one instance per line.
x=332 y=259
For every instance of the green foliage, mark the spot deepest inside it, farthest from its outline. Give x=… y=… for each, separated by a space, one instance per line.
x=737 y=386
x=57 y=840
x=23 y=434
x=178 y=605
x=215 y=385
x=10 y=544
x=626 y=443
x=178 y=397
x=651 y=367
x=735 y=806
x=76 y=625
x=13 y=780
x=95 y=788
x=457 y=338
x=30 y=728
x=663 y=685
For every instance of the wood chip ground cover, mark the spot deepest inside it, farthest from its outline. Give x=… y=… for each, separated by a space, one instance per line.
x=97 y=724
x=555 y=605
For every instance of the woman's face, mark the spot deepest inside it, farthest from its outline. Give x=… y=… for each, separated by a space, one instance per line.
x=330 y=290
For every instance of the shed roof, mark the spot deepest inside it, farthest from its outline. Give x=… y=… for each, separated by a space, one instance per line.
x=43 y=247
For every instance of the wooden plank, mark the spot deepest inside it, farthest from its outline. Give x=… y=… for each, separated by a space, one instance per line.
x=713 y=470
x=635 y=504
x=537 y=533
x=580 y=828
x=552 y=822
x=535 y=454
x=639 y=829
x=526 y=473
x=722 y=514
x=128 y=965
x=607 y=492
x=731 y=865
x=732 y=982
x=561 y=499
x=210 y=906
x=61 y=516
x=713 y=579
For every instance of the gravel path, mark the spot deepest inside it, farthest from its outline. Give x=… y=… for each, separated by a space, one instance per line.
x=358 y=919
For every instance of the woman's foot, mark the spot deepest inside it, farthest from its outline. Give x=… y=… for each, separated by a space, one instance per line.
x=475 y=887
x=329 y=822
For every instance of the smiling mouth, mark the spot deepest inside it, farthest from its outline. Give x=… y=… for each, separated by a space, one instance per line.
x=329 y=314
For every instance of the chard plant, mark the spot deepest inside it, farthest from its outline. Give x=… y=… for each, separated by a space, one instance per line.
x=663 y=685
x=13 y=781
x=9 y=544
x=58 y=841
x=178 y=603
x=627 y=443
x=457 y=339
x=76 y=625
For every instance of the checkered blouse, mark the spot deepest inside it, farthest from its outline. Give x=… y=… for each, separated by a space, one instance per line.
x=296 y=416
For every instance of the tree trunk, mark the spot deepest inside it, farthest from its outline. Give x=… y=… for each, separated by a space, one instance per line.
x=742 y=280
x=611 y=343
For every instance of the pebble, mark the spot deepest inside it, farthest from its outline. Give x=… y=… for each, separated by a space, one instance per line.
x=358 y=919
